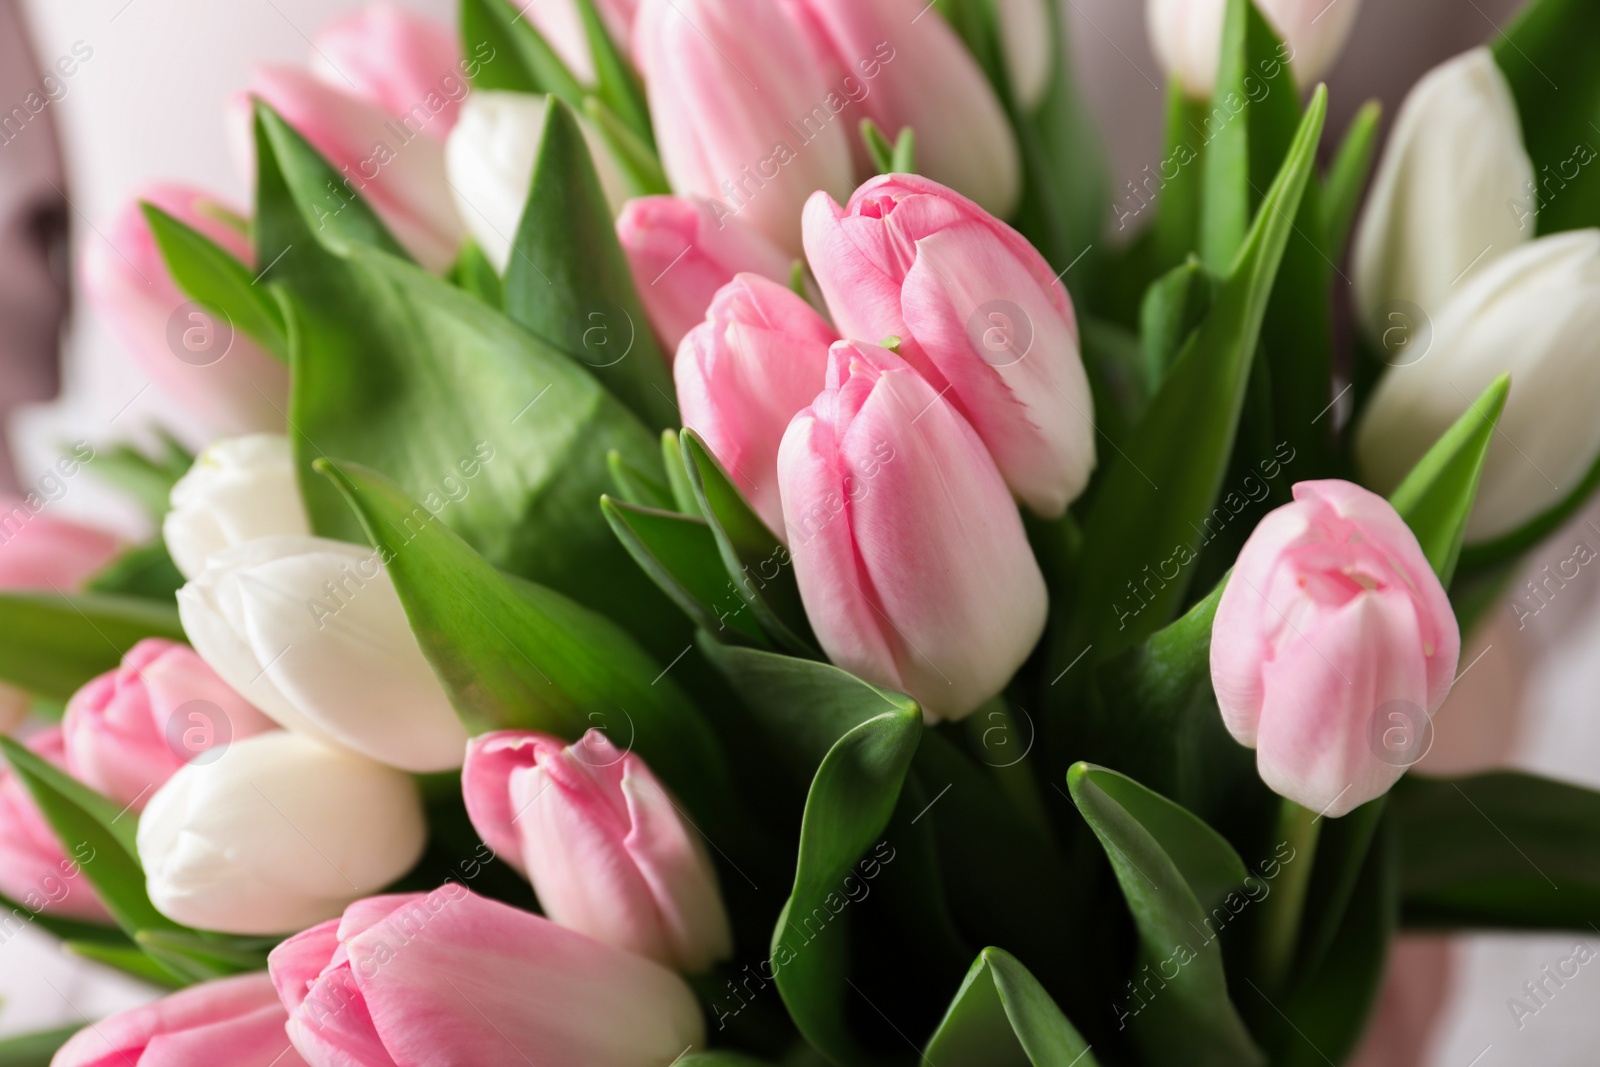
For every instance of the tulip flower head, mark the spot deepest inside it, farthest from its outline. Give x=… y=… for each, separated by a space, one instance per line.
x=1187 y=37
x=34 y=870
x=239 y=489
x=1332 y=644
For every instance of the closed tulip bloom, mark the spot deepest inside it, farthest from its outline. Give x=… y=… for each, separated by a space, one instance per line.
x=1453 y=193
x=760 y=356
x=406 y=64
x=601 y=841
x=1332 y=634
x=312 y=632
x=279 y=833
x=882 y=60
x=979 y=312
x=1536 y=314
x=1030 y=45
x=1187 y=37
x=238 y=1021
x=130 y=729
x=239 y=489
x=681 y=253
x=909 y=552
x=34 y=870
x=216 y=372
x=452 y=978
x=44 y=553
x=732 y=98
x=490 y=159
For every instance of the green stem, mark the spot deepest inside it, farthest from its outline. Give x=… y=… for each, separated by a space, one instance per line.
x=1003 y=744
x=1285 y=906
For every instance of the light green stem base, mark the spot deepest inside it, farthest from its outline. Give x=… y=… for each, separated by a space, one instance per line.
x=1285 y=905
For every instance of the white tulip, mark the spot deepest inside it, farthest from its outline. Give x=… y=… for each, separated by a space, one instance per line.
x=312 y=632
x=1029 y=44
x=1187 y=37
x=278 y=834
x=1444 y=202
x=239 y=488
x=1535 y=313
x=489 y=159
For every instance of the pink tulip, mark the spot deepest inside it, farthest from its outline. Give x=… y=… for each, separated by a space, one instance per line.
x=1332 y=643
x=215 y=371
x=34 y=870
x=910 y=554
x=238 y=1021
x=41 y=552
x=682 y=253
x=453 y=978
x=559 y=23
x=409 y=66
x=130 y=729
x=883 y=60
x=979 y=312
x=732 y=100
x=760 y=356
x=601 y=841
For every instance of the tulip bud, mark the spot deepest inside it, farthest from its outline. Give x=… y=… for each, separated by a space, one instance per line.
x=216 y=372
x=279 y=833
x=452 y=977
x=238 y=489
x=312 y=632
x=1333 y=643
x=911 y=558
x=681 y=254
x=760 y=356
x=490 y=159
x=41 y=552
x=740 y=112
x=1029 y=43
x=130 y=729
x=1187 y=37
x=881 y=59
x=407 y=65
x=601 y=841
x=34 y=869
x=237 y=1020
x=1453 y=193
x=978 y=311
x=1535 y=313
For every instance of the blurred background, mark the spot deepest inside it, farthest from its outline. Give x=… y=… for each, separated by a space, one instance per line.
x=145 y=101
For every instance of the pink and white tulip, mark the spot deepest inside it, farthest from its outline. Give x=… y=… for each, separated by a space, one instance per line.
x=1332 y=641
x=731 y=97
x=979 y=312
x=238 y=1021
x=682 y=252
x=760 y=356
x=451 y=977
x=601 y=841
x=216 y=372
x=130 y=729
x=1187 y=37
x=909 y=552
x=34 y=870
x=408 y=65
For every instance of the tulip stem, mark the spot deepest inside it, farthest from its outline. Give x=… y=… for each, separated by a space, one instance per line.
x=1285 y=906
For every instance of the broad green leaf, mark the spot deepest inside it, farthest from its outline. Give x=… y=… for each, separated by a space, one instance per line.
x=514 y=654
x=1347 y=177
x=32 y=909
x=1190 y=1019
x=568 y=282
x=1002 y=1017
x=678 y=474
x=641 y=168
x=1178 y=183
x=129 y=959
x=1504 y=850
x=639 y=488
x=217 y=954
x=210 y=275
x=34 y=1050
x=851 y=800
x=1114 y=362
x=616 y=82
x=148 y=478
x=505 y=52
x=51 y=645
x=473 y=272
x=145 y=571
x=1343 y=853
x=1174 y=306
x=1436 y=498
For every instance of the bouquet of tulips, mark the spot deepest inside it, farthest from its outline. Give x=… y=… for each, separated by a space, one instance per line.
x=719 y=547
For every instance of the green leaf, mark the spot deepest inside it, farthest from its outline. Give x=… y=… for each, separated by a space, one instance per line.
x=1347 y=177
x=145 y=571
x=569 y=283
x=51 y=645
x=1190 y=1019
x=678 y=474
x=510 y=653
x=1174 y=306
x=1436 y=498
x=209 y=274
x=127 y=958
x=879 y=149
x=1002 y=1017
x=711 y=1059
x=510 y=54
x=639 y=488
x=616 y=83
x=851 y=800
x=1176 y=232
x=1114 y=362
x=1504 y=849
x=34 y=1050
x=473 y=273
x=641 y=167
x=147 y=478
